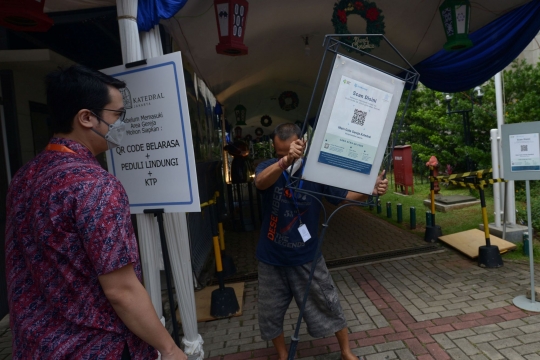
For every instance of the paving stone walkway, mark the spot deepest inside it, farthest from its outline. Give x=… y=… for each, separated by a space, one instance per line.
x=432 y=306
x=439 y=305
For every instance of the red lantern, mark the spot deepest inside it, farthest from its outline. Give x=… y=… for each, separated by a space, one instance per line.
x=24 y=15
x=231 y=22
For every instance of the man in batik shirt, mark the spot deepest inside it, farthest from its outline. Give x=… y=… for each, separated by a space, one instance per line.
x=72 y=264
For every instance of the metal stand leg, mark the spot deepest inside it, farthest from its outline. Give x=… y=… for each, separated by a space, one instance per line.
x=168 y=272
x=231 y=204
x=240 y=209
x=252 y=211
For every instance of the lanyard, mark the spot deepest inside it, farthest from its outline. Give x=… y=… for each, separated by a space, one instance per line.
x=292 y=193
x=286 y=174
x=58 y=147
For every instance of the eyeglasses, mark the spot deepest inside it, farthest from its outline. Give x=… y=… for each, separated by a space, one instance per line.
x=121 y=117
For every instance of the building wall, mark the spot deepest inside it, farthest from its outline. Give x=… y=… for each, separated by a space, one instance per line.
x=531 y=54
x=29 y=86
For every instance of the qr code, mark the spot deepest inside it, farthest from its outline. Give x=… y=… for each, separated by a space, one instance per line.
x=359 y=117
x=524 y=148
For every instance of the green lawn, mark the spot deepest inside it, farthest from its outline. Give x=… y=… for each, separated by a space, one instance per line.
x=451 y=222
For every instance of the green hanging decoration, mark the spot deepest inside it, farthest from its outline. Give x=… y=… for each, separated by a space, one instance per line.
x=369 y=12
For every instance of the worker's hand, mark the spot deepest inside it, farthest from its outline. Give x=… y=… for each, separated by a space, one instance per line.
x=381 y=185
x=296 y=151
x=176 y=354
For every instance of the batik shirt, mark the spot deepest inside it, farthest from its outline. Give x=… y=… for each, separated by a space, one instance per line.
x=280 y=242
x=68 y=222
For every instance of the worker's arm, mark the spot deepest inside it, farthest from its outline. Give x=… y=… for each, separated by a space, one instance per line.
x=271 y=174
x=381 y=185
x=132 y=304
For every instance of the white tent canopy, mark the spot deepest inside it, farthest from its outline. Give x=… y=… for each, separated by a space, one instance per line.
x=277 y=59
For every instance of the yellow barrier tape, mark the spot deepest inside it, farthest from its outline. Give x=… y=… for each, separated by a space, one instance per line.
x=478 y=185
x=459 y=176
x=211 y=201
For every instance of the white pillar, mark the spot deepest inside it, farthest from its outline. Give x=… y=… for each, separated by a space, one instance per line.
x=177 y=237
x=147 y=227
x=129 y=32
x=175 y=224
x=496 y=186
x=150 y=252
x=176 y=233
x=510 y=197
x=151 y=43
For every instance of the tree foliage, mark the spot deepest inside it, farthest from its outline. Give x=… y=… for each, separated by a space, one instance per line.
x=431 y=131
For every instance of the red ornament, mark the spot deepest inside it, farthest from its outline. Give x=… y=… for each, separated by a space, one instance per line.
x=358 y=5
x=24 y=15
x=342 y=15
x=231 y=18
x=372 y=14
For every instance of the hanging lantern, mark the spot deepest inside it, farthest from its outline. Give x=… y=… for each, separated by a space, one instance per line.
x=24 y=15
x=231 y=23
x=455 y=15
x=240 y=114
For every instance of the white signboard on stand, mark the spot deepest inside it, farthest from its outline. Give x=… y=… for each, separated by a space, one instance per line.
x=155 y=162
x=354 y=125
x=521 y=151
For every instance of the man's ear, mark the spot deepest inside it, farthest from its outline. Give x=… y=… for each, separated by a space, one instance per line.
x=84 y=118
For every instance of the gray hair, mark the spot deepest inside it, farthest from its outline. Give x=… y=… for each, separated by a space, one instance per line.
x=286 y=131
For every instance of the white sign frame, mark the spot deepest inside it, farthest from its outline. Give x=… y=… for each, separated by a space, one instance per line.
x=510 y=135
x=156 y=162
x=372 y=81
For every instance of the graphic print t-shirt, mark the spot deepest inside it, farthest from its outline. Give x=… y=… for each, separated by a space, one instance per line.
x=280 y=243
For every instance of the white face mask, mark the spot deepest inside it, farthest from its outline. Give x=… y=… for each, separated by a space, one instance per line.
x=115 y=134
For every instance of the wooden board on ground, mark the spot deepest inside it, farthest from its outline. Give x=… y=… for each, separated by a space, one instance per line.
x=203 y=300
x=469 y=241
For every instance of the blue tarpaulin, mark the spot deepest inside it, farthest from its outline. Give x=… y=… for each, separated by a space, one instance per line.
x=495 y=46
x=149 y=12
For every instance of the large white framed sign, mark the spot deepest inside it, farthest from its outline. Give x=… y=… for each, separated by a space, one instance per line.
x=155 y=162
x=354 y=125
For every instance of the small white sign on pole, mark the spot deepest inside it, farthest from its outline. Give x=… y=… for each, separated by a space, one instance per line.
x=354 y=125
x=521 y=151
x=155 y=162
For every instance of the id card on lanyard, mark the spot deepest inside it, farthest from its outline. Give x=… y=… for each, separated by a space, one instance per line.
x=302 y=228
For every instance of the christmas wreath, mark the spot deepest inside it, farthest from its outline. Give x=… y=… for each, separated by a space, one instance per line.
x=367 y=10
x=288 y=100
x=259 y=132
x=266 y=121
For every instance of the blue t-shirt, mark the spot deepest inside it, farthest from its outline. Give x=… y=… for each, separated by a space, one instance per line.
x=280 y=243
